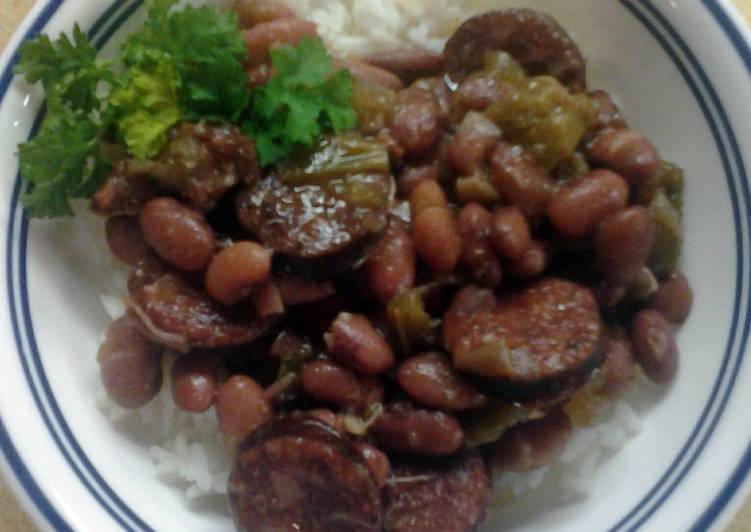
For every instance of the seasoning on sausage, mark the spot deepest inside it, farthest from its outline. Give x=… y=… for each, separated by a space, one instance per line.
x=535 y=341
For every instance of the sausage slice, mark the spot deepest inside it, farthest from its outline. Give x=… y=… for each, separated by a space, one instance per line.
x=449 y=495
x=537 y=341
x=301 y=474
x=535 y=40
x=317 y=229
x=180 y=316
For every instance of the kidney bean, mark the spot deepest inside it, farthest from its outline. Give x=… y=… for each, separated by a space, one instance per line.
x=412 y=176
x=473 y=224
x=426 y=195
x=509 y=233
x=179 y=235
x=241 y=406
x=532 y=264
x=367 y=73
x=408 y=65
x=608 y=114
x=654 y=345
x=482 y=89
x=129 y=364
x=252 y=12
x=429 y=379
x=390 y=270
x=125 y=239
x=194 y=382
x=403 y=428
x=353 y=341
x=626 y=152
x=235 y=270
x=264 y=36
x=473 y=139
x=328 y=382
x=674 y=298
x=519 y=180
x=532 y=445
x=579 y=206
x=436 y=238
x=622 y=243
x=376 y=461
x=618 y=367
x=418 y=121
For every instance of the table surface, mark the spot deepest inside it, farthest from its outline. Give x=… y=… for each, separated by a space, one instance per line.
x=12 y=516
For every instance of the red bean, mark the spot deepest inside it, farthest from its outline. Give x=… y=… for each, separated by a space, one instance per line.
x=322 y=380
x=532 y=445
x=179 y=235
x=241 y=406
x=436 y=238
x=129 y=364
x=532 y=264
x=481 y=90
x=408 y=64
x=473 y=224
x=353 y=341
x=376 y=461
x=608 y=114
x=618 y=368
x=509 y=233
x=403 y=428
x=194 y=382
x=418 y=121
x=262 y=37
x=473 y=139
x=519 y=180
x=626 y=152
x=674 y=298
x=125 y=239
x=425 y=195
x=654 y=345
x=234 y=271
x=252 y=12
x=391 y=268
x=365 y=72
x=623 y=241
x=578 y=207
x=429 y=379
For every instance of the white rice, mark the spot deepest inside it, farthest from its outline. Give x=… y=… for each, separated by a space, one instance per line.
x=188 y=450
x=358 y=27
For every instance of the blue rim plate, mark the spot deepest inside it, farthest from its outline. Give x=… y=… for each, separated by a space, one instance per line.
x=703 y=469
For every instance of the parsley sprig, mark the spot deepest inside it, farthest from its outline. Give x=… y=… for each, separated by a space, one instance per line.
x=183 y=64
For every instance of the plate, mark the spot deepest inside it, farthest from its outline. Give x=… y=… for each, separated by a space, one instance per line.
x=681 y=70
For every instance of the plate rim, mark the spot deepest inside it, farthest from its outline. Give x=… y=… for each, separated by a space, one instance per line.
x=726 y=16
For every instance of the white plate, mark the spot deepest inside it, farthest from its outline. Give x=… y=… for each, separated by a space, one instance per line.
x=680 y=68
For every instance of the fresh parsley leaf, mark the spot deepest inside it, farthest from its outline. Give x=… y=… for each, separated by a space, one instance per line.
x=66 y=68
x=145 y=106
x=207 y=50
x=305 y=98
x=62 y=160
